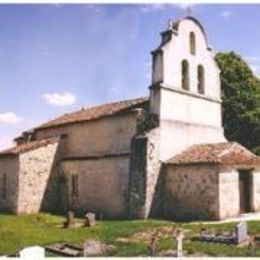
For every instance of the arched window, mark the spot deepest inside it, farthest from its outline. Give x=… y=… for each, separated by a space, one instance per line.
x=192 y=43
x=201 y=80
x=185 y=75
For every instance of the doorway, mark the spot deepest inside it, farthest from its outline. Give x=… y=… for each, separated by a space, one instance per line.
x=245 y=187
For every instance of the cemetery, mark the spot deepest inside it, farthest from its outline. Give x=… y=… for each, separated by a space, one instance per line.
x=51 y=235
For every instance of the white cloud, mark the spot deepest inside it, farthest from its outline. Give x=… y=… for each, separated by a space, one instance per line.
x=225 y=14
x=60 y=99
x=153 y=7
x=9 y=118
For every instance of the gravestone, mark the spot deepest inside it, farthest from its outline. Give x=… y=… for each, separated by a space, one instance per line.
x=241 y=233
x=90 y=219
x=179 y=238
x=154 y=245
x=33 y=252
x=70 y=221
x=92 y=248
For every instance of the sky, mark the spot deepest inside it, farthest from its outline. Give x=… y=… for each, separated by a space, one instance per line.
x=57 y=58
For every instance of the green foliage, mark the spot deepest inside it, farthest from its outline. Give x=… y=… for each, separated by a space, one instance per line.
x=241 y=101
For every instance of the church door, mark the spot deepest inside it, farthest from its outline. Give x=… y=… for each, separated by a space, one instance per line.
x=245 y=186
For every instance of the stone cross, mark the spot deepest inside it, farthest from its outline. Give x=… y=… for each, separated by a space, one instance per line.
x=241 y=232
x=188 y=10
x=179 y=238
x=33 y=252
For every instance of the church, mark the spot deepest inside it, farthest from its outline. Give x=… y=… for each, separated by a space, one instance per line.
x=163 y=156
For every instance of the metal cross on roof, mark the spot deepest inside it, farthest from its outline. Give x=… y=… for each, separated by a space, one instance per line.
x=188 y=11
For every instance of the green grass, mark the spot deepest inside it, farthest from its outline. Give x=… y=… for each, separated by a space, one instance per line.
x=17 y=232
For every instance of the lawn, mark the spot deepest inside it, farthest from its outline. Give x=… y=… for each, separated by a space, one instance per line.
x=17 y=232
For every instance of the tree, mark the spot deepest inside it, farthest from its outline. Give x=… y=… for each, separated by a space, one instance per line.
x=240 y=90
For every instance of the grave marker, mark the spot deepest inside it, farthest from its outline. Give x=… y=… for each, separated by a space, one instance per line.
x=70 y=221
x=92 y=248
x=241 y=232
x=90 y=219
x=179 y=238
x=33 y=252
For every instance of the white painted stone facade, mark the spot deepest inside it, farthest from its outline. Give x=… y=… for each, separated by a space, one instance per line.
x=185 y=115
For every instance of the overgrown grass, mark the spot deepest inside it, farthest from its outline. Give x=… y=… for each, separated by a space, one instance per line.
x=17 y=232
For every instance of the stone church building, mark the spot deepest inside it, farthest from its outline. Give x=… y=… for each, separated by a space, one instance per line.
x=160 y=156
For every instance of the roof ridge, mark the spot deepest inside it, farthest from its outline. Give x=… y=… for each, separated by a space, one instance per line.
x=113 y=102
x=221 y=154
x=92 y=113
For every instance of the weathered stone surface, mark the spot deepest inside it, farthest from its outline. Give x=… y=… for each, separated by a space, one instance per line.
x=144 y=173
x=241 y=233
x=93 y=248
x=98 y=182
x=179 y=239
x=228 y=193
x=191 y=192
x=109 y=249
x=33 y=252
x=9 y=168
x=34 y=179
x=106 y=136
x=90 y=219
x=70 y=221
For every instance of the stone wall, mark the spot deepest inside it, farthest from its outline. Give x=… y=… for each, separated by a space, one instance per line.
x=36 y=182
x=256 y=190
x=144 y=175
x=191 y=192
x=228 y=192
x=108 y=135
x=9 y=167
x=102 y=186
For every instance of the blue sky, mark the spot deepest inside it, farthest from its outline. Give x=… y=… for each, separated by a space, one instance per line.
x=57 y=58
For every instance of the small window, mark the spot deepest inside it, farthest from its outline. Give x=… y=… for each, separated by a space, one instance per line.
x=4 y=186
x=75 y=185
x=185 y=75
x=201 y=80
x=192 y=43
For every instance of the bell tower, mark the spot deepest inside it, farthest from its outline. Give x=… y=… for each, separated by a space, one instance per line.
x=185 y=90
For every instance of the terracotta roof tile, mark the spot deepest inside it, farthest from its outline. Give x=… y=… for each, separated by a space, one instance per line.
x=221 y=153
x=26 y=147
x=96 y=112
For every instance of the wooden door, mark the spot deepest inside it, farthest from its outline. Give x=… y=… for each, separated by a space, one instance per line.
x=245 y=190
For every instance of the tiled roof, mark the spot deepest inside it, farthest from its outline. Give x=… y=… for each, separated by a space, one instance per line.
x=221 y=153
x=96 y=112
x=26 y=147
